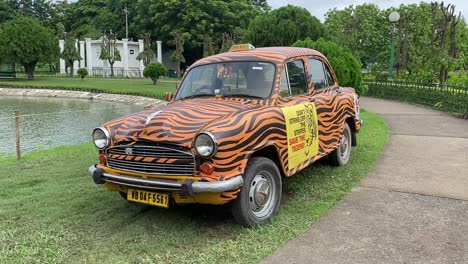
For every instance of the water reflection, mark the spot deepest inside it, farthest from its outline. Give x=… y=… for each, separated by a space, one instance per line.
x=49 y=122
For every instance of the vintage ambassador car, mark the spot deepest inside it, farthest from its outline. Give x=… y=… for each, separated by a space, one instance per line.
x=239 y=123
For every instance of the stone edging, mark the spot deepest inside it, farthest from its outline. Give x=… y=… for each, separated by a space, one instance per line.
x=142 y=101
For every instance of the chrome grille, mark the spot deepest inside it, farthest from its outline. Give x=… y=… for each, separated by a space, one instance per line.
x=157 y=160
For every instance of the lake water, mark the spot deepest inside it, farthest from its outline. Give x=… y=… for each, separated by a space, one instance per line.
x=49 y=122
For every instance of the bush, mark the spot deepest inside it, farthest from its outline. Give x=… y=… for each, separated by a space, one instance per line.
x=346 y=67
x=458 y=79
x=83 y=72
x=154 y=71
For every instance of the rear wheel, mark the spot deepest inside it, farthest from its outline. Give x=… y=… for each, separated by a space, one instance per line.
x=341 y=155
x=260 y=195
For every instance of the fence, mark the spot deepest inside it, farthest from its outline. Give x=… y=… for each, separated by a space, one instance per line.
x=452 y=98
x=94 y=73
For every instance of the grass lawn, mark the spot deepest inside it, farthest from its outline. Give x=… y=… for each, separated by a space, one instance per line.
x=52 y=212
x=142 y=87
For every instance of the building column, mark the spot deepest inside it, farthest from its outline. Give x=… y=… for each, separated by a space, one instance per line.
x=141 y=48
x=125 y=56
x=159 y=58
x=82 y=54
x=62 y=61
x=76 y=64
x=89 y=56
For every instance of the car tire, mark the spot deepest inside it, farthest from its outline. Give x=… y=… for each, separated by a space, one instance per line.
x=341 y=155
x=260 y=195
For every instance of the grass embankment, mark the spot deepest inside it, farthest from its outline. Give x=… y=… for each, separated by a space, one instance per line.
x=143 y=87
x=52 y=212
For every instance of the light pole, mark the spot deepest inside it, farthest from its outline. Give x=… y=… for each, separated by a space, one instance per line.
x=126 y=22
x=393 y=17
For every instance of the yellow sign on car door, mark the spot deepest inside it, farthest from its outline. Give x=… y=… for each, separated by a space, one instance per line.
x=302 y=133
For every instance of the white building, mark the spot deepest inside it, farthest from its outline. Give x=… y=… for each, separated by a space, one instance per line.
x=129 y=66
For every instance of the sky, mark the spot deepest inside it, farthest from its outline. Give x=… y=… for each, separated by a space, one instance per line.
x=318 y=8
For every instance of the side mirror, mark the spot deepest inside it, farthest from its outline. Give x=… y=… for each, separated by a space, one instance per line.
x=169 y=96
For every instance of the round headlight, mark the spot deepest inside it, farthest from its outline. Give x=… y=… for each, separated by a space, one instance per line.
x=205 y=144
x=101 y=137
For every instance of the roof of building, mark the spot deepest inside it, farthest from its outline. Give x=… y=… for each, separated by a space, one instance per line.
x=274 y=54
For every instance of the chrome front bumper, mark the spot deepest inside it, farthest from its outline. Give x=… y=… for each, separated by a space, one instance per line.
x=190 y=187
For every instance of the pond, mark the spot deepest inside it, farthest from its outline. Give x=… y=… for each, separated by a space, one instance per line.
x=50 y=122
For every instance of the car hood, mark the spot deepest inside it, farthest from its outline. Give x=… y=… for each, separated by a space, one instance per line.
x=176 y=123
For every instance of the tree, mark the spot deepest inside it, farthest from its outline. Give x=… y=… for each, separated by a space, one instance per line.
x=178 y=55
x=154 y=71
x=228 y=41
x=196 y=19
x=208 y=48
x=147 y=54
x=346 y=67
x=23 y=40
x=70 y=54
x=109 y=50
x=83 y=72
x=283 y=26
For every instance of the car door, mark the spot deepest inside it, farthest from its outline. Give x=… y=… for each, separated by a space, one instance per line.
x=325 y=96
x=300 y=114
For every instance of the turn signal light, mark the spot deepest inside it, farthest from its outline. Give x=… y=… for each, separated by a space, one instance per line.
x=102 y=159
x=207 y=167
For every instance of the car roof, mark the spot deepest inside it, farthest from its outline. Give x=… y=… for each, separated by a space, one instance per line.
x=273 y=54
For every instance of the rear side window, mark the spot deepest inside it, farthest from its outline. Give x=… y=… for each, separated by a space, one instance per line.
x=328 y=75
x=297 y=77
x=317 y=74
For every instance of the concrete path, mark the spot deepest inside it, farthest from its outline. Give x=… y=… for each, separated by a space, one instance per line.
x=412 y=208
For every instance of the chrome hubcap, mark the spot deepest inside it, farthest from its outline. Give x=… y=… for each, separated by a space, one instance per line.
x=345 y=144
x=261 y=195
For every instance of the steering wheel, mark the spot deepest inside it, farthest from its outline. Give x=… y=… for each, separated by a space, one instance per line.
x=205 y=89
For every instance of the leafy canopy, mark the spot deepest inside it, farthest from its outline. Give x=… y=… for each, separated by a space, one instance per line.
x=23 y=40
x=346 y=67
x=283 y=26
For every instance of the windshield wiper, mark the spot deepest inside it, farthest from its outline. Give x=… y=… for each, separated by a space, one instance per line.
x=196 y=95
x=244 y=95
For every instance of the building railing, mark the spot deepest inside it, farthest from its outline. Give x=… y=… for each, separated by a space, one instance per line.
x=453 y=98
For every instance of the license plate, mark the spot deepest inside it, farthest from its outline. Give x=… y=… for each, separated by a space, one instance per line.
x=152 y=198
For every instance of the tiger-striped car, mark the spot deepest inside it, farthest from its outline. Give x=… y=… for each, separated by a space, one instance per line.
x=239 y=123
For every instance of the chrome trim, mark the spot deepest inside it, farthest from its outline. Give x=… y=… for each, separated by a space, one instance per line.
x=185 y=169
x=215 y=142
x=170 y=185
x=106 y=133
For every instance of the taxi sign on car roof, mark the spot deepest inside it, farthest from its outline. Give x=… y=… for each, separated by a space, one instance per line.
x=241 y=47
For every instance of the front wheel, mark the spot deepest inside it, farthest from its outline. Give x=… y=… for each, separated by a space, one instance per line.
x=260 y=195
x=341 y=155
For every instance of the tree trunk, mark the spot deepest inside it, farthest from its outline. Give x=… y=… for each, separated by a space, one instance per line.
x=112 y=69
x=29 y=69
x=71 y=70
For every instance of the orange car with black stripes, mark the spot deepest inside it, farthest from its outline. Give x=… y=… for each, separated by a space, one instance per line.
x=239 y=124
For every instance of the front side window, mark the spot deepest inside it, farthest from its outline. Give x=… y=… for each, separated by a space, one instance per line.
x=297 y=77
x=237 y=79
x=318 y=75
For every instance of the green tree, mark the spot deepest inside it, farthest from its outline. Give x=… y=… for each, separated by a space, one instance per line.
x=178 y=55
x=109 y=51
x=346 y=67
x=283 y=26
x=70 y=54
x=24 y=41
x=147 y=54
x=154 y=71
x=196 y=19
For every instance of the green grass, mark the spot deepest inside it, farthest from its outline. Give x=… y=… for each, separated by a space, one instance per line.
x=52 y=212
x=142 y=87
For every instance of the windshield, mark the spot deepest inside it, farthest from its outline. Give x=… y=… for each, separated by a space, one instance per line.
x=238 y=79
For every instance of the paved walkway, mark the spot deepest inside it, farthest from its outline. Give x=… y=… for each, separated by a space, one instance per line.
x=412 y=208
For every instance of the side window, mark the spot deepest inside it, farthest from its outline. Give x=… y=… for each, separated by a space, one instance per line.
x=328 y=75
x=297 y=77
x=284 y=87
x=317 y=74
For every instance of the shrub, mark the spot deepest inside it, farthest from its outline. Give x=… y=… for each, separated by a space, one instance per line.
x=154 y=71
x=346 y=67
x=458 y=79
x=83 y=72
